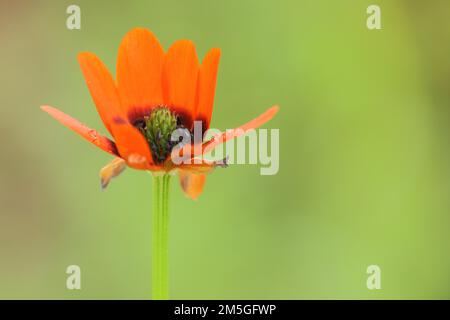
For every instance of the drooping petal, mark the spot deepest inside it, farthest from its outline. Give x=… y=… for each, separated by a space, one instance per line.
x=189 y=151
x=231 y=134
x=192 y=183
x=206 y=86
x=111 y=170
x=87 y=133
x=101 y=86
x=139 y=71
x=180 y=73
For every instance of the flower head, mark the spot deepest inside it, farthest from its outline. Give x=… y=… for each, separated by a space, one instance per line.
x=154 y=94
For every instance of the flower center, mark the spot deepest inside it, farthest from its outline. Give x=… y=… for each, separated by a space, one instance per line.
x=157 y=129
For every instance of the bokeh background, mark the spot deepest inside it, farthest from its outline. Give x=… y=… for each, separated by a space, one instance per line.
x=364 y=154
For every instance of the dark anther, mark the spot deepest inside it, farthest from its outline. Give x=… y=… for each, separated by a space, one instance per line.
x=140 y=124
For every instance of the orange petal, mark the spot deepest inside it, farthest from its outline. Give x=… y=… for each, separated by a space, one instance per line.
x=191 y=183
x=89 y=134
x=132 y=145
x=230 y=134
x=130 y=142
x=111 y=170
x=139 y=71
x=101 y=86
x=180 y=74
x=207 y=85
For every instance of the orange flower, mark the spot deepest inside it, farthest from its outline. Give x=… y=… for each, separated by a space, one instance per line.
x=154 y=91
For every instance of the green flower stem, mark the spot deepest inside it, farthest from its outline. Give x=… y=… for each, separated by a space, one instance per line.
x=160 y=223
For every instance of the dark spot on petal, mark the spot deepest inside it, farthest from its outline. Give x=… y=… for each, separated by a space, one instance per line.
x=119 y=120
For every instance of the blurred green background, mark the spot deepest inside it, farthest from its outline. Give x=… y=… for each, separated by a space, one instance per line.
x=364 y=154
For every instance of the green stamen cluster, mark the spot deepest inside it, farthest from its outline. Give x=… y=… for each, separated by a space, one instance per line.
x=157 y=130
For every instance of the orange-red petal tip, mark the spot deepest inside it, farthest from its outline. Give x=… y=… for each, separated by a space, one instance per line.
x=192 y=184
x=272 y=111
